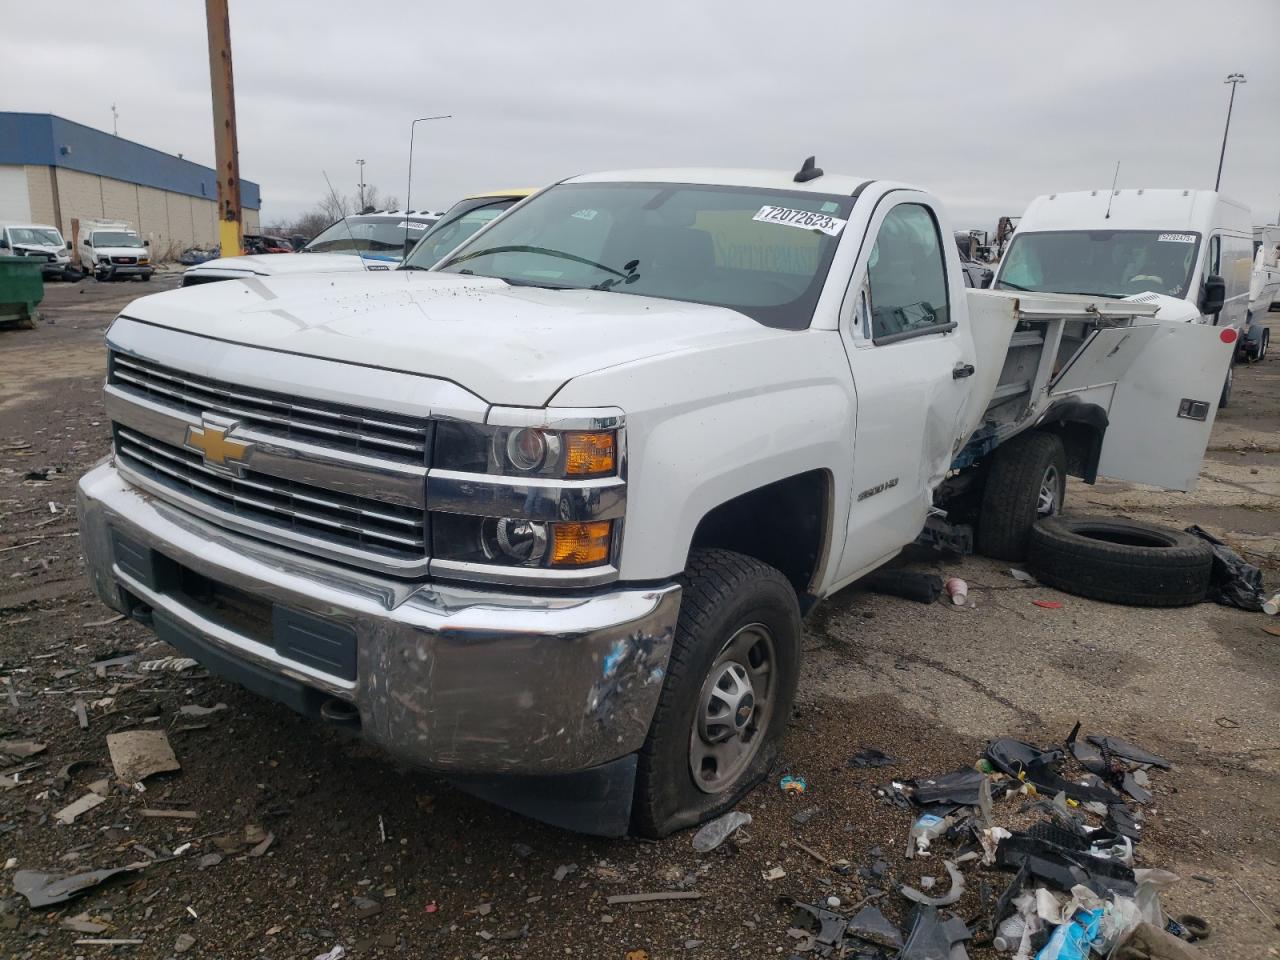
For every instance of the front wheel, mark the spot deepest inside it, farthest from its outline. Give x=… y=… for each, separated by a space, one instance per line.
x=727 y=696
x=1264 y=341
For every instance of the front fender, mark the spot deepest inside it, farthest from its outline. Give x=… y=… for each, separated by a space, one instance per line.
x=706 y=426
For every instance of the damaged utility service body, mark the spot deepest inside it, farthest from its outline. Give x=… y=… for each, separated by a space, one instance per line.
x=544 y=516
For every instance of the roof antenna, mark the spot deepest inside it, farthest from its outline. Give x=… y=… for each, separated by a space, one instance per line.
x=408 y=187
x=1114 y=181
x=337 y=205
x=808 y=171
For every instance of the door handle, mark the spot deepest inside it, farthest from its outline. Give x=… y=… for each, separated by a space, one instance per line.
x=961 y=370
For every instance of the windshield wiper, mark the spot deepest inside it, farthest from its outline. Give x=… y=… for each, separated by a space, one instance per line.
x=1012 y=286
x=560 y=254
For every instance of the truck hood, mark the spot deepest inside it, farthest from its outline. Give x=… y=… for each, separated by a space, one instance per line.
x=508 y=345
x=280 y=264
x=56 y=249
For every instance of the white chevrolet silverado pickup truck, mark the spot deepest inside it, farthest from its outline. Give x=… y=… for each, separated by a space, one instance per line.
x=545 y=516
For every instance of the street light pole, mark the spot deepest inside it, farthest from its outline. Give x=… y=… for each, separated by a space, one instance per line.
x=408 y=190
x=360 y=164
x=1233 y=79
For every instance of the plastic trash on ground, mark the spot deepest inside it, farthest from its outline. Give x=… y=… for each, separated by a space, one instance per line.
x=719 y=830
x=1070 y=941
x=1233 y=582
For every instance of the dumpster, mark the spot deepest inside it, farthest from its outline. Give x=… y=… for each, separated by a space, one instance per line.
x=21 y=288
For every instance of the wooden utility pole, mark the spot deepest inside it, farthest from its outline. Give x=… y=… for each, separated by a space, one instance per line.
x=226 y=151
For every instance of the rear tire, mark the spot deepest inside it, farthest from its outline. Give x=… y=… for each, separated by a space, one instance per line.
x=728 y=693
x=1027 y=482
x=1265 y=341
x=1121 y=561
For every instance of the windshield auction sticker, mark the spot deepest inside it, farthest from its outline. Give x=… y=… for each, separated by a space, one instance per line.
x=804 y=219
x=1177 y=238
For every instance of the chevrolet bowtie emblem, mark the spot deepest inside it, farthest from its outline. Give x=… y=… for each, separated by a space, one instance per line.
x=211 y=440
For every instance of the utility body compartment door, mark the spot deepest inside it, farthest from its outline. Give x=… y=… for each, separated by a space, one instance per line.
x=1160 y=382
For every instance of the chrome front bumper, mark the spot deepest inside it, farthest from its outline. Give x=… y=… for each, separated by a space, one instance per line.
x=460 y=680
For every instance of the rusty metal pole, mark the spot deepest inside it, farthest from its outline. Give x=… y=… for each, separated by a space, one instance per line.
x=224 y=127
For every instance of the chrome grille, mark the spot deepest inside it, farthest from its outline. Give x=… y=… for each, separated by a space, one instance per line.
x=403 y=439
x=340 y=520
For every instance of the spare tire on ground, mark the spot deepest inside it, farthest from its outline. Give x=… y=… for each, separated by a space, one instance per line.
x=1120 y=561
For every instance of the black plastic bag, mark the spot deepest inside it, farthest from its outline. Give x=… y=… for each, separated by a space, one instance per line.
x=1233 y=582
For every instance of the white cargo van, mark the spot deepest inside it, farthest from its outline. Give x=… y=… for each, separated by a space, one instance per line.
x=1195 y=246
x=112 y=248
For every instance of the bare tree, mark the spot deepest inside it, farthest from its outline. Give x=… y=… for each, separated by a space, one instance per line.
x=330 y=209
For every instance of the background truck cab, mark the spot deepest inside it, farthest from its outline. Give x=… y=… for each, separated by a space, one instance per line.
x=112 y=248
x=1190 y=245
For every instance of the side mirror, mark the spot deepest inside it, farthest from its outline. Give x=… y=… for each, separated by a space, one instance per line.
x=1214 y=294
x=146 y=243
x=4 y=244
x=68 y=244
x=88 y=241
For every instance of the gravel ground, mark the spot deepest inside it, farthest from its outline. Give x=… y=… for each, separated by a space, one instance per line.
x=392 y=862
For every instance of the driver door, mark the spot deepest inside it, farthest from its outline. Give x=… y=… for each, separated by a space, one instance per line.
x=911 y=369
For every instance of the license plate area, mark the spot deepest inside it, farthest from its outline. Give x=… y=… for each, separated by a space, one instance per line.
x=311 y=641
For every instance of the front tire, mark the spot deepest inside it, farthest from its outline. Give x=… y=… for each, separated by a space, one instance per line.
x=1027 y=482
x=727 y=696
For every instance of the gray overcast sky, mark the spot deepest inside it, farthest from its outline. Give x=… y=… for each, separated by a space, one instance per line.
x=987 y=104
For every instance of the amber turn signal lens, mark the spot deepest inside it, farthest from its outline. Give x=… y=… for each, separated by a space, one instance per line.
x=580 y=544
x=587 y=454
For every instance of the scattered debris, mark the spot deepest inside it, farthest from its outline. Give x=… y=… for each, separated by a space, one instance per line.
x=717 y=831
x=1233 y=582
x=950 y=897
x=774 y=873
x=921 y=587
x=22 y=748
x=1021 y=575
x=1048 y=604
x=563 y=871
x=958 y=591
x=168 y=665
x=183 y=943
x=871 y=757
x=86 y=803
x=793 y=784
x=873 y=926
x=194 y=710
x=169 y=814
x=653 y=897
x=138 y=754
x=45 y=889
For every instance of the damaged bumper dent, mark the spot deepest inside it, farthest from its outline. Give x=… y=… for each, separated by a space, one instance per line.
x=465 y=681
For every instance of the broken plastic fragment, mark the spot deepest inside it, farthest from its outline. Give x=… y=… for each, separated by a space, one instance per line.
x=951 y=896
x=1123 y=748
x=719 y=830
x=931 y=937
x=873 y=926
x=45 y=889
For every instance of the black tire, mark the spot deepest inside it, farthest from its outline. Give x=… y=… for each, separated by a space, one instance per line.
x=1263 y=342
x=1121 y=561
x=724 y=594
x=146 y=277
x=1011 y=501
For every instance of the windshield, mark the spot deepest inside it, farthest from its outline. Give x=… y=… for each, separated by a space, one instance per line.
x=1108 y=263
x=115 y=238
x=764 y=253
x=384 y=237
x=460 y=221
x=35 y=235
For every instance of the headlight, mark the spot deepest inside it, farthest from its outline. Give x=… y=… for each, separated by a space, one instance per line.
x=526 y=451
x=517 y=542
x=103 y=258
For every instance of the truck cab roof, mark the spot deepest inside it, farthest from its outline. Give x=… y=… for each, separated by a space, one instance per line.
x=1141 y=209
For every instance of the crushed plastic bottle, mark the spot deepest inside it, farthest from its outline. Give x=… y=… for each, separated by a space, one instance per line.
x=1009 y=934
x=719 y=830
x=1070 y=941
x=924 y=831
